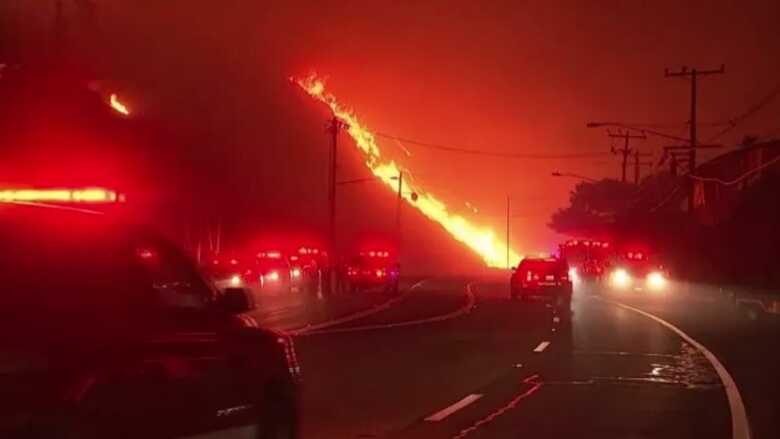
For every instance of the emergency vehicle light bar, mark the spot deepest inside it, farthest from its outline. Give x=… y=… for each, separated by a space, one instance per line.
x=83 y=195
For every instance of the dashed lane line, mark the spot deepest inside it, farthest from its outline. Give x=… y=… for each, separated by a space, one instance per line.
x=440 y=415
x=542 y=346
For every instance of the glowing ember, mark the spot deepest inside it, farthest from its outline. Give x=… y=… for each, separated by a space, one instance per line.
x=117 y=105
x=480 y=239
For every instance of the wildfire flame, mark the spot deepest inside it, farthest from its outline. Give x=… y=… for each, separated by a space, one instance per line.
x=117 y=105
x=481 y=240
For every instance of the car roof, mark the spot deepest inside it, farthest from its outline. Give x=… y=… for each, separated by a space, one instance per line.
x=543 y=260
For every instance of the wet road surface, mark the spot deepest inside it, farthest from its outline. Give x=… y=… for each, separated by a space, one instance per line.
x=454 y=358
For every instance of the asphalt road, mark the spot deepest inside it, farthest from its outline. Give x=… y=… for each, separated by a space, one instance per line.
x=453 y=358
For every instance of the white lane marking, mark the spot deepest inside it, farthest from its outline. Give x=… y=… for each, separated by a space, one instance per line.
x=740 y=427
x=438 y=416
x=466 y=308
x=309 y=328
x=542 y=346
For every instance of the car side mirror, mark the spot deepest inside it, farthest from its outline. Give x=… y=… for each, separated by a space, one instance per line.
x=236 y=300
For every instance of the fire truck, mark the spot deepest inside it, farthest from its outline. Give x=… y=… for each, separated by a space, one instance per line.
x=588 y=259
x=638 y=270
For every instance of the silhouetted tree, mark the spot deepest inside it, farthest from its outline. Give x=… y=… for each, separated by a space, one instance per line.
x=593 y=207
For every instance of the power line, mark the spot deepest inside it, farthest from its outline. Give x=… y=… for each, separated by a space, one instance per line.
x=738 y=179
x=753 y=109
x=472 y=151
x=668 y=198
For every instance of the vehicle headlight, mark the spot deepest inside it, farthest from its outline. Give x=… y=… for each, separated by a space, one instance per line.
x=272 y=276
x=656 y=280
x=295 y=272
x=235 y=280
x=573 y=274
x=620 y=278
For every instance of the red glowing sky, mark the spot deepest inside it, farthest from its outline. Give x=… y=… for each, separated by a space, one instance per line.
x=502 y=75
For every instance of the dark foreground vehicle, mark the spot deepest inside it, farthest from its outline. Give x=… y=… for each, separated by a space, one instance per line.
x=545 y=277
x=109 y=331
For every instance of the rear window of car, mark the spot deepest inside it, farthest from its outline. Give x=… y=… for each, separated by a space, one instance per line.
x=543 y=266
x=272 y=263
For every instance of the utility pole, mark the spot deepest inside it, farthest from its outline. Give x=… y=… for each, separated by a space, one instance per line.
x=398 y=213
x=335 y=126
x=507 y=230
x=626 y=150
x=693 y=74
x=218 y=244
x=638 y=164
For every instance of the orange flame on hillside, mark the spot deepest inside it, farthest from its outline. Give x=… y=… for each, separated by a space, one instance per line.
x=481 y=240
x=117 y=105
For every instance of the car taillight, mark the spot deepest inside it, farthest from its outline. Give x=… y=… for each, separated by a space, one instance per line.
x=295 y=272
x=381 y=273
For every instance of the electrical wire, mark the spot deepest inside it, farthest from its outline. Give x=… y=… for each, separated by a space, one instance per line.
x=667 y=199
x=472 y=151
x=738 y=179
x=753 y=109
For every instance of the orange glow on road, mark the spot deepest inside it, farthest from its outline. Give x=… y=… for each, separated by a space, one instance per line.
x=86 y=195
x=117 y=105
x=481 y=240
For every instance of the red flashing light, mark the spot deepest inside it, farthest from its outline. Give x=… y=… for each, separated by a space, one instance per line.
x=376 y=254
x=215 y=262
x=234 y=262
x=84 y=195
x=145 y=253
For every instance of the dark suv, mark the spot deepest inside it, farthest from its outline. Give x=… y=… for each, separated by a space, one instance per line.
x=106 y=330
x=545 y=277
